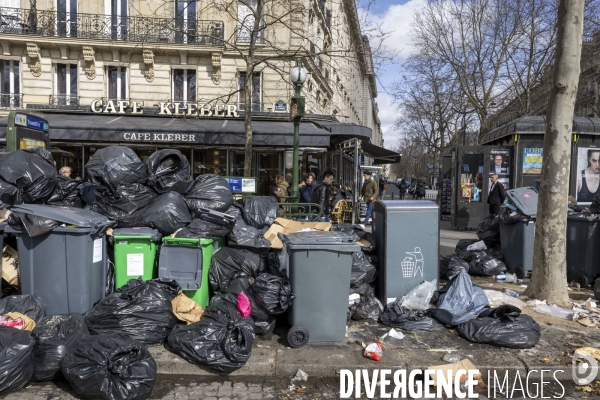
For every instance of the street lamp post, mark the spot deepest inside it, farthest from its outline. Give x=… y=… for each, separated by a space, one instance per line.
x=298 y=76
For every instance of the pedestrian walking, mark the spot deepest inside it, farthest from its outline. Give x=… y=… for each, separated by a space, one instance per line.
x=368 y=192
x=402 y=188
x=496 y=196
x=382 y=188
x=420 y=190
x=320 y=194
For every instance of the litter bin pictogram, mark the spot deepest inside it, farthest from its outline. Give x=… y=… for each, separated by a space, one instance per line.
x=408 y=266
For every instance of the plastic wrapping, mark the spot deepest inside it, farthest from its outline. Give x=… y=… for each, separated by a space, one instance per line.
x=111 y=367
x=278 y=263
x=31 y=174
x=504 y=326
x=141 y=310
x=508 y=216
x=126 y=204
x=397 y=316
x=260 y=211
x=237 y=286
x=452 y=265
x=357 y=233
x=34 y=225
x=459 y=301
x=482 y=264
x=246 y=237
x=66 y=192
x=114 y=166
x=461 y=248
x=198 y=229
x=167 y=213
x=235 y=211
x=362 y=270
x=273 y=293
x=54 y=336
x=25 y=304
x=489 y=230
x=419 y=297
x=16 y=359
x=169 y=170
x=221 y=341
x=209 y=191
x=228 y=264
x=369 y=307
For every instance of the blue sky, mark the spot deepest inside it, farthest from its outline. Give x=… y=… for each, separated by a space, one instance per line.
x=396 y=17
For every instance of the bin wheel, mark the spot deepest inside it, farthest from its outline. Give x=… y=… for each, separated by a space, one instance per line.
x=297 y=336
x=582 y=279
x=597 y=289
x=520 y=272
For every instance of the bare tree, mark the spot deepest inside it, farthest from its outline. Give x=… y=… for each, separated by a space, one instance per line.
x=549 y=261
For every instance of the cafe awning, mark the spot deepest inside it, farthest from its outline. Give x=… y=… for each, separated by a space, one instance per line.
x=380 y=155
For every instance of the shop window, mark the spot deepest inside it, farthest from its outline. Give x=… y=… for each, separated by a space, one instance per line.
x=10 y=84
x=471 y=178
x=65 y=85
x=117 y=83
x=255 y=95
x=210 y=161
x=184 y=85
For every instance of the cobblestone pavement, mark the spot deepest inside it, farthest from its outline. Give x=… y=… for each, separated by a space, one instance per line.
x=215 y=388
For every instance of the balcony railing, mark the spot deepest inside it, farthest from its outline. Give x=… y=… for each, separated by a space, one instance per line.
x=108 y=27
x=242 y=35
x=63 y=100
x=11 y=101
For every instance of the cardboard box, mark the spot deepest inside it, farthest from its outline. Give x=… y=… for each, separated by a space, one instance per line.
x=10 y=266
x=287 y=226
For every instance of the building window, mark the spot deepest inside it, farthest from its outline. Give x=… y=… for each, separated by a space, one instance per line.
x=10 y=84
x=66 y=17
x=247 y=10
x=118 y=11
x=65 y=85
x=117 y=83
x=255 y=95
x=184 y=85
x=185 y=21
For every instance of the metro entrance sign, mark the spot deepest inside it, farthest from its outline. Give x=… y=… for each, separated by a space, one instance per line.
x=26 y=131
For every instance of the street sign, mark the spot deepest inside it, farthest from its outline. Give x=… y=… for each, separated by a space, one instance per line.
x=26 y=131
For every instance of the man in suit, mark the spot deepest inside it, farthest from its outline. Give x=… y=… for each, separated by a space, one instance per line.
x=496 y=196
x=497 y=167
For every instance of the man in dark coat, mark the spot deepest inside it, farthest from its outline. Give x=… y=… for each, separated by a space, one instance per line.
x=402 y=187
x=320 y=194
x=496 y=196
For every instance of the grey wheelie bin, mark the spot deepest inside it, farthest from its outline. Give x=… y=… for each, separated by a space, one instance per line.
x=407 y=237
x=516 y=239
x=583 y=249
x=66 y=268
x=320 y=264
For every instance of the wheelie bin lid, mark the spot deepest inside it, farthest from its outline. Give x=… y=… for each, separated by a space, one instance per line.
x=153 y=234
x=320 y=240
x=67 y=215
x=525 y=199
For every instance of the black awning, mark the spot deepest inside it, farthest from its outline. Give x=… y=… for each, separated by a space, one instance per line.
x=380 y=155
x=77 y=127
x=347 y=131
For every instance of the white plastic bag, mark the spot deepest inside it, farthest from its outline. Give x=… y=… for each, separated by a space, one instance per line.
x=555 y=311
x=419 y=297
x=477 y=246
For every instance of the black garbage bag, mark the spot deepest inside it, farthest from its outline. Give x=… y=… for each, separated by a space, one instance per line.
x=167 y=213
x=221 y=340
x=32 y=224
x=595 y=206
x=260 y=211
x=396 y=316
x=209 y=191
x=25 y=304
x=503 y=327
x=66 y=193
x=278 y=262
x=31 y=174
x=489 y=230
x=114 y=166
x=169 y=170
x=235 y=211
x=228 y=264
x=369 y=307
x=140 y=310
x=483 y=264
x=199 y=229
x=265 y=327
x=246 y=237
x=111 y=367
x=16 y=359
x=495 y=252
x=508 y=216
x=461 y=248
x=230 y=295
x=54 y=336
x=358 y=233
x=126 y=204
x=273 y=293
x=362 y=270
x=459 y=301
x=452 y=265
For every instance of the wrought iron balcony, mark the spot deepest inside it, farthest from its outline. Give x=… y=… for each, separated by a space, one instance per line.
x=242 y=35
x=108 y=27
x=11 y=101
x=63 y=100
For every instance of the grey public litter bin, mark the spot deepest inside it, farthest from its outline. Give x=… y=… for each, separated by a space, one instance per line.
x=320 y=264
x=407 y=237
x=516 y=240
x=583 y=249
x=66 y=269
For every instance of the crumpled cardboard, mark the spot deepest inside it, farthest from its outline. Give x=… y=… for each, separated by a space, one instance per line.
x=287 y=226
x=10 y=266
x=186 y=309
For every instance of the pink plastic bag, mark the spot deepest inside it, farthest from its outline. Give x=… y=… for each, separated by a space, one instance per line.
x=243 y=305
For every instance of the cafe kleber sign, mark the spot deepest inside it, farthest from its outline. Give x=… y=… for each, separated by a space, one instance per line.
x=178 y=109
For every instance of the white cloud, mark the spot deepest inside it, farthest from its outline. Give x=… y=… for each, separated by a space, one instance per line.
x=387 y=115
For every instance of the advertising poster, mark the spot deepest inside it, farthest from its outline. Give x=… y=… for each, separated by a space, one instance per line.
x=532 y=160
x=588 y=174
x=499 y=161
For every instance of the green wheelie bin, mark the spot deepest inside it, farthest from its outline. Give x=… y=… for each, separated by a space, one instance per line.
x=135 y=254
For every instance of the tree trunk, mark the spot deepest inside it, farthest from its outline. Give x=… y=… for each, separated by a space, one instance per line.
x=549 y=275
x=248 y=119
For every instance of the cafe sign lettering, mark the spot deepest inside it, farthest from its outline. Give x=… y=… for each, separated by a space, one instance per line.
x=178 y=109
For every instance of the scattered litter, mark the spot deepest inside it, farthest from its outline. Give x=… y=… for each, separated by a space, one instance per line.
x=393 y=334
x=510 y=278
x=497 y=299
x=590 y=351
x=529 y=351
x=452 y=369
x=477 y=246
x=451 y=358
x=590 y=305
x=555 y=311
x=545 y=360
x=353 y=298
x=300 y=376
x=374 y=351
x=419 y=297
x=585 y=321
x=300 y=390
x=511 y=293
